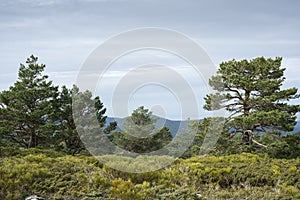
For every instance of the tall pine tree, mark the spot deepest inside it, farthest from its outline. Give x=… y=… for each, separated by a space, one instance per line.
x=26 y=108
x=251 y=93
x=67 y=133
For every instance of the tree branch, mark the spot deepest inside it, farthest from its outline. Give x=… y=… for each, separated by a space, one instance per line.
x=236 y=91
x=259 y=143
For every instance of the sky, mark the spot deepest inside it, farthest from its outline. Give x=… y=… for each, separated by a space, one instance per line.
x=63 y=34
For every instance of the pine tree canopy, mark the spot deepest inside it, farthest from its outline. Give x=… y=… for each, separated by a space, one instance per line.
x=251 y=93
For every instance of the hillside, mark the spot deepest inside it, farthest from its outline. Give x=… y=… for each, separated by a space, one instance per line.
x=54 y=175
x=173 y=125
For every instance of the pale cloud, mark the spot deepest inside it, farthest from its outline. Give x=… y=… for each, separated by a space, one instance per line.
x=40 y=2
x=63 y=33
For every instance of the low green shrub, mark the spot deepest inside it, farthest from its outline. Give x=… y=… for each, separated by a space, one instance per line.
x=58 y=176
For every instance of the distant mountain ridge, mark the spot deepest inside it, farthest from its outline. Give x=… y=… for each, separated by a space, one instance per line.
x=173 y=125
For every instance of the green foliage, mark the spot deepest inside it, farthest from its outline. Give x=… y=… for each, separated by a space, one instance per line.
x=26 y=108
x=140 y=124
x=207 y=129
x=57 y=176
x=138 y=164
x=127 y=190
x=287 y=147
x=33 y=113
x=88 y=115
x=250 y=91
x=67 y=136
x=139 y=134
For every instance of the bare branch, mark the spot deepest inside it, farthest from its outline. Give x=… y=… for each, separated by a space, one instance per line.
x=259 y=143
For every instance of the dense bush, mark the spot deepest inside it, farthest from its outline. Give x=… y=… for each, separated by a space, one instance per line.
x=57 y=176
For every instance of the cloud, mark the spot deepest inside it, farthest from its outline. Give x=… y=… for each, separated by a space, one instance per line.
x=39 y=2
x=63 y=33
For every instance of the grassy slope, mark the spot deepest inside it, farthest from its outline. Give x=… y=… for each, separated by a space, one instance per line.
x=57 y=176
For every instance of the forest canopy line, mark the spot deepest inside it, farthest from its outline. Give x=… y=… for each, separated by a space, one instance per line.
x=36 y=113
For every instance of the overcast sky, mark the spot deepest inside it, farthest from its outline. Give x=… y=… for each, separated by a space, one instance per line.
x=63 y=33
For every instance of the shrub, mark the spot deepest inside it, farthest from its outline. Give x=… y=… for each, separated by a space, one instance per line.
x=57 y=176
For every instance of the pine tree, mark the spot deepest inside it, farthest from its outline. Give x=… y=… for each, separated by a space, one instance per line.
x=26 y=108
x=139 y=134
x=251 y=92
x=67 y=131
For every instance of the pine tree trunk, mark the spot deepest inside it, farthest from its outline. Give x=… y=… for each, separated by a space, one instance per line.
x=32 y=141
x=246 y=103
